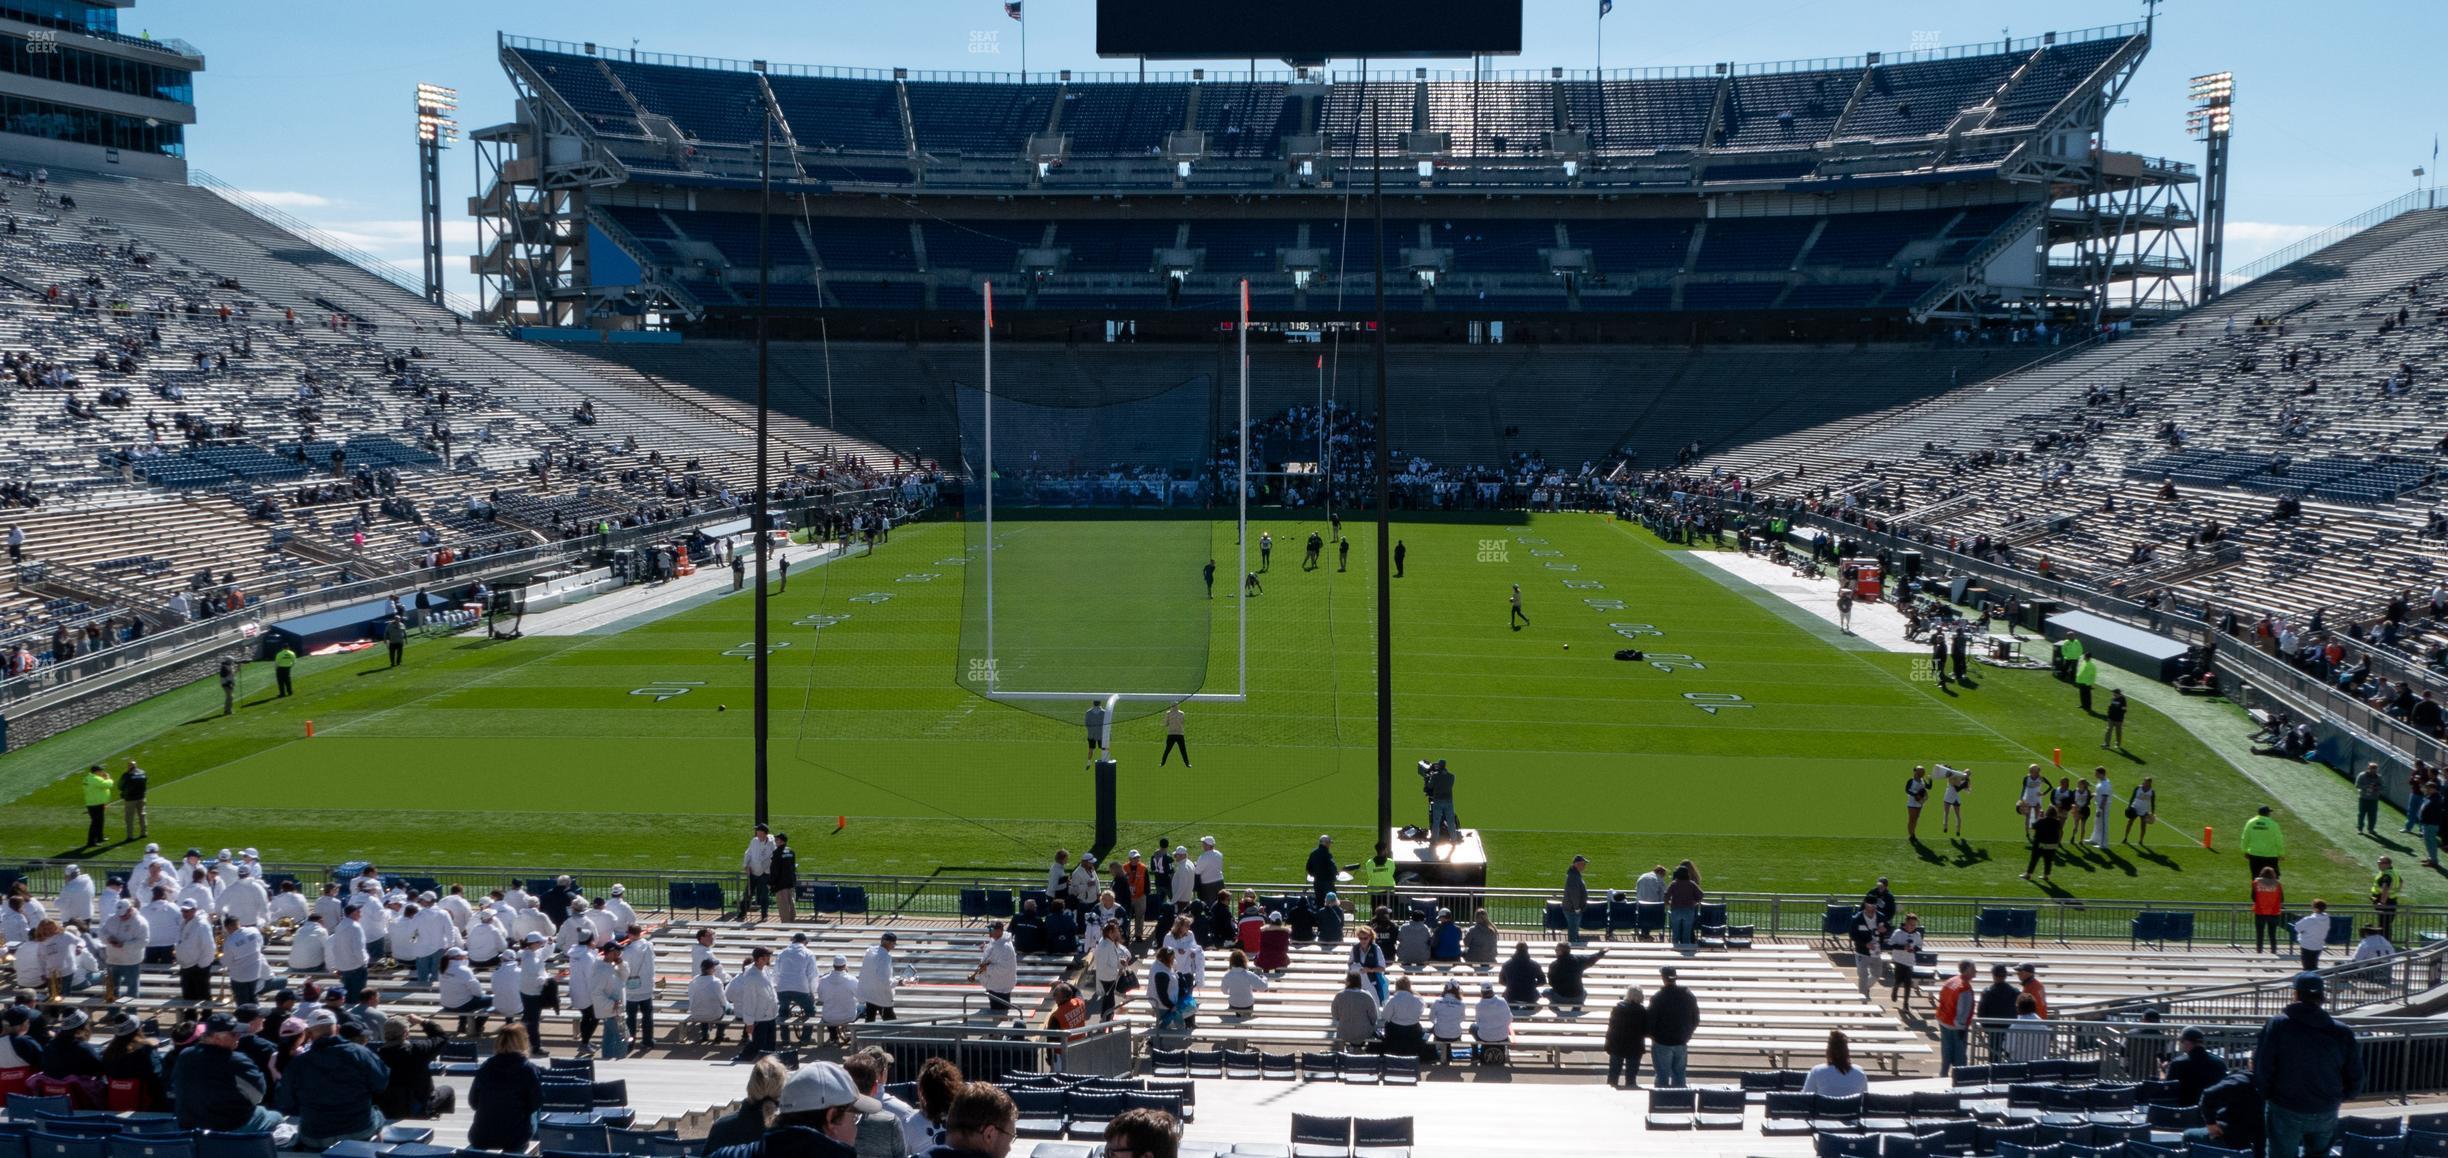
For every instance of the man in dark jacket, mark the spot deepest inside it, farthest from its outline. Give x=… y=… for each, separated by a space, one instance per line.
x=2231 y=1113
x=1576 y=899
x=816 y=1116
x=1522 y=978
x=1322 y=870
x=783 y=877
x=2305 y=1067
x=1627 y=1036
x=2194 y=1069
x=1564 y=985
x=329 y=1087
x=1996 y=1008
x=215 y=1087
x=1674 y=1016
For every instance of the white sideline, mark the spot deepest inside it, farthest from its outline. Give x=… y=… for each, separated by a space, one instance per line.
x=1878 y=624
x=640 y=599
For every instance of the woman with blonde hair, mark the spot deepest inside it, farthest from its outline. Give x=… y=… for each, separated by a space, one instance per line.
x=756 y=1109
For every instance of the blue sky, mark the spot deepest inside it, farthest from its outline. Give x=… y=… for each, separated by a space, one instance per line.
x=310 y=104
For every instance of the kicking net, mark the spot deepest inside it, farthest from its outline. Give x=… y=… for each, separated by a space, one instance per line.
x=1088 y=537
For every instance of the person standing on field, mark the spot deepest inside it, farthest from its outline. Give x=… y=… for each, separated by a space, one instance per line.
x=132 y=784
x=2264 y=845
x=1916 y=794
x=1174 y=739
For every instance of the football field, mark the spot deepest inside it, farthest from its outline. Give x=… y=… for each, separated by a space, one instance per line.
x=1752 y=739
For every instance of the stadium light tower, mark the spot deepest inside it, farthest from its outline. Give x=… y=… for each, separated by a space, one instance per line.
x=2209 y=120
x=437 y=130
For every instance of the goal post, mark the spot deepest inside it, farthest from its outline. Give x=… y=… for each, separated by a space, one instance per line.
x=1054 y=659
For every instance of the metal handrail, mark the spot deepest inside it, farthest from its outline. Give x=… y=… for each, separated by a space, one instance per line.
x=1769 y=915
x=2027 y=44
x=2382 y=213
x=459 y=304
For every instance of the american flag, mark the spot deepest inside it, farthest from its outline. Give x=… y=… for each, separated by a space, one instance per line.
x=1011 y=8
x=1604 y=7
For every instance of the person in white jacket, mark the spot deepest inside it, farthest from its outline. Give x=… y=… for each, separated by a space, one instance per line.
x=998 y=969
x=460 y=993
x=578 y=928
x=1446 y=1017
x=47 y=960
x=242 y=955
x=1241 y=986
x=877 y=979
x=124 y=936
x=309 y=946
x=420 y=937
x=486 y=943
x=753 y=1000
x=287 y=906
x=708 y=1005
x=161 y=915
x=535 y=975
x=194 y=952
x=616 y=907
x=509 y=992
x=794 y=980
x=701 y=950
x=607 y=928
x=245 y=899
x=346 y=954
x=583 y=962
x=603 y=994
x=454 y=905
x=1492 y=1023
x=837 y=994
x=638 y=988
x=76 y=898
x=1105 y=963
x=374 y=917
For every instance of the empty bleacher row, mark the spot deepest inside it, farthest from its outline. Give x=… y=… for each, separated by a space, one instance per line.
x=630 y=95
x=2131 y=449
x=714 y=254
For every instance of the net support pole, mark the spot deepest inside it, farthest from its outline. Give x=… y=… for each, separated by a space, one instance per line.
x=1241 y=501
x=988 y=485
x=1385 y=442
x=762 y=524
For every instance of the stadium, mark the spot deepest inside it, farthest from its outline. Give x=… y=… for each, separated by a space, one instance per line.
x=1719 y=468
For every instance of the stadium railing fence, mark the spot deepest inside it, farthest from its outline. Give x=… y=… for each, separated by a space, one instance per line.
x=2400 y=1056
x=1768 y=915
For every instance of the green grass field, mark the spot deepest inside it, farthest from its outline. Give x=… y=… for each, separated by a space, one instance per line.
x=556 y=751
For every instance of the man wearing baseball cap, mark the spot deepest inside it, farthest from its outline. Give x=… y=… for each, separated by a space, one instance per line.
x=330 y=1084
x=816 y=1116
x=215 y=1087
x=2194 y=1068
x=2306 y=1066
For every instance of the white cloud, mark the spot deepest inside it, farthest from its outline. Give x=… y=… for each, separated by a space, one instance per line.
x=2249 y=240
x=291 y=199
